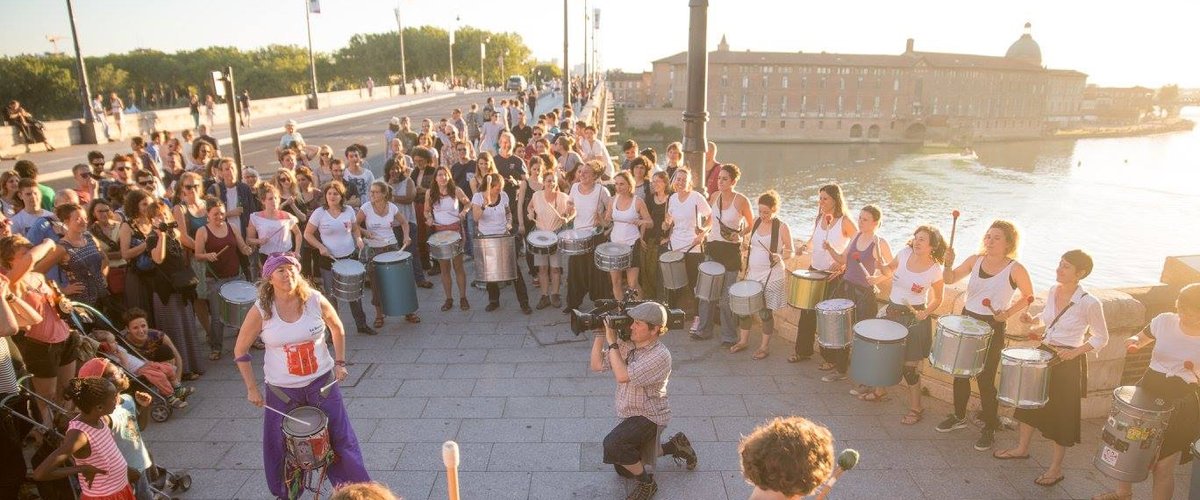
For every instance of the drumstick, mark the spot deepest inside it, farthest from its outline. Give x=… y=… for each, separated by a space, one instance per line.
x=846 y=460
x=325 y=390
x=1191 y=367
x=450 y=459
x=285 y=415
x=911 y=309
x=953 y=226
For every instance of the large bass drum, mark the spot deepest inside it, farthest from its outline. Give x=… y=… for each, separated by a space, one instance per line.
x=674 y=273
x=835 y=323
x=394 y=278
x=495 y=258
x=1024 y=377
x=237 y=297
x=960 y=345
x=746 y=298
x=710 y=281
x=1132 y=434
x=878 y=352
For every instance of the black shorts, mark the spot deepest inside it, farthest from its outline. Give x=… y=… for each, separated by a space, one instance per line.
x=624 y=443
x=42 y=359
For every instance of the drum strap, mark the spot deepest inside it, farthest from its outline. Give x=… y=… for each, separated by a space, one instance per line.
x=1062 y=312
x=284 y=397
x=775 y=223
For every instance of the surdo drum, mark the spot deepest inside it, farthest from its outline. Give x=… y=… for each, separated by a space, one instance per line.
x=1024 y=377
x=746 y=298
x=835 y=323
x=394 y=278
x=542 y=242
x=445 y=245
x=710 y=282
x=575 y=241
x=674 y=274
x=495 y=258
x=806 y=288
x=307 y=445
x=960 y=345
x=348 y=277
x=237 y=297
x=878 y=352
x=1132 y=434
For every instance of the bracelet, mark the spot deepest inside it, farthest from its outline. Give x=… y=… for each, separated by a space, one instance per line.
x=339 y=363
x=10 y=297
x=613 y=345
x=245 y=358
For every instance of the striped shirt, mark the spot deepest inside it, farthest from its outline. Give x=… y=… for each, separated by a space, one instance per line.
x=646 y=392
x=8 y=377
x=105 y=456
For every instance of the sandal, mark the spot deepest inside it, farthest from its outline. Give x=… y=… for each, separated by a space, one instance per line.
x=379 y=322
x=412 y=318
x=913 y=417
x=463 y=304
x=826 y=366
x=1007 y=455
x=861 y=389
x=1048 y=482
x=448 y=305
x=214 y=355
x=874 y=397
x=796 y=358
x=736 y=348
x=760 y=355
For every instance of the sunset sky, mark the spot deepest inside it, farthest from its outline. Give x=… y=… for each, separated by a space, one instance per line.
x=1149 y=42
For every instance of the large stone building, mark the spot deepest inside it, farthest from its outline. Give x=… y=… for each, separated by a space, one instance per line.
x=913 y=96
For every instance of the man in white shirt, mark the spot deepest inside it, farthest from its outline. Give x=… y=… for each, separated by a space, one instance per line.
x=290 y=135
x=592 y=148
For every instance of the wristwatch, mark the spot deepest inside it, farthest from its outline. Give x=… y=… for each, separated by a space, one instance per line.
x=612 y=346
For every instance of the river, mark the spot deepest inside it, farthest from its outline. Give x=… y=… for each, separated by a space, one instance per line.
x=1129 y=202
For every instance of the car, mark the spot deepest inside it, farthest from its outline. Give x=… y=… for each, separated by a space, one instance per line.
x=516 y=82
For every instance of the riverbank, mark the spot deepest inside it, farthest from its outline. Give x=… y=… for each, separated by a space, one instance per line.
x=1157 y=127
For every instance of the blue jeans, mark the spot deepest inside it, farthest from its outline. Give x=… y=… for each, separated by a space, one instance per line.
x=468 y=245
x=728 y=319
x=414 y=248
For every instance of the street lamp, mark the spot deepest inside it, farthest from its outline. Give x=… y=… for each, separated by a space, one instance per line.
x=312 y=63
x=89 y=118
x=403 y=72
x=452 y=30
x=503 y=78
x=482 y=54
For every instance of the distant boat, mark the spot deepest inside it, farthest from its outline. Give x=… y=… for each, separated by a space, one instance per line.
x=964 y=155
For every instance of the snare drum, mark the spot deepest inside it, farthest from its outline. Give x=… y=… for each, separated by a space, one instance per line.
x=835 y=323
x=237 y=297
x=960 y=345
x=307 y=445
x=746 y=298
x=613 y=256
x=542 y=242
x=806 y=288
x=1024 y=377
x=394 y=279
x=575 y=241
x=1132 y=434
x=348 y=276
x=445 y=245
x=674 y=273
x=710 y=282
x=495 y=258
x=878 y=352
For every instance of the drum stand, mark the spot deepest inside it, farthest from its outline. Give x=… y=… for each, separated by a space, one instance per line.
x=298 y=480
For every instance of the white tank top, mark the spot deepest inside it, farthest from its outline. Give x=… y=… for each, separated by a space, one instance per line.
x=997 y=289
x=296 y=352
x=278 y=232
x=730 y=217
x=380 y=226
x=624 y=230
x=586 y=206
x=445 y=211
x=821 y=258
x=910 y=287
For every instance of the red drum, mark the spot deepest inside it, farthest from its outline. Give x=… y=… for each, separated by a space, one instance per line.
x=307 y=445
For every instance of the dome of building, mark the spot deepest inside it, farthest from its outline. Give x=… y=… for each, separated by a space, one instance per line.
x=1025 y=49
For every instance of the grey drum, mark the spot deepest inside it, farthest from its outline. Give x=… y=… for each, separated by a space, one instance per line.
x=674 y=274
x=1024 y=377
x=613 y=256
x=542 y=242
x=746 y=298
x=575 y=241
x=445 y=245
x=495 y=258
x=348 y=278
x=1132 y=434
x=237 y=297
x=878 y=352
x=835 y=323
x=960 y=345
x=710 y=282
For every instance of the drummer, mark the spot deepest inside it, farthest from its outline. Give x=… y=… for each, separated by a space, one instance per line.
x=917 y=291
x=491 y=211
x=292 y=319
x=770 y=244
x=686 y=225
x=628 y=216
x=831 y=225
x=732 y=218
x=862 y=259
x=446 y=210
x=217 y=248
x=1172 y=376
x=379 y=218
x=994 y=276
x=653 y=237
x=1070 y=315
x=549 y=210
x=589 y=200
x=272 y=229
x=340 y=238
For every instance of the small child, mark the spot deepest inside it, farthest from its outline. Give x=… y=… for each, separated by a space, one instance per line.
x=99 y=465
x=161 y=375
x=128 y=419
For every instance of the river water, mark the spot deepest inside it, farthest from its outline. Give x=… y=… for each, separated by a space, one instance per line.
x=1129 y=202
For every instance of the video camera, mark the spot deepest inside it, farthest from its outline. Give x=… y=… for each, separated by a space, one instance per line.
x=616 y=311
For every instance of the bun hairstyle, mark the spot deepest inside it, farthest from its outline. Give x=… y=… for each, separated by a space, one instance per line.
x=89 y=393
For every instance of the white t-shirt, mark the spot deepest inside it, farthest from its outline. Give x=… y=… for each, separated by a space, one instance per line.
x=277 y=231
x=1074 y=324
x=296 y=352
x=1172 y=348
x=23 y=219
x=231 y=201
x=380 y=226
x=361 y=182
x=288 y=138
x=687 y=214
x=495 y=218
x=821 y=258
x=588 y=205
x=909 y=287
x=335 y=231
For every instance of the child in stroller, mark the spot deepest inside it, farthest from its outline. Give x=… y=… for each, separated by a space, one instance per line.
x=162 y=376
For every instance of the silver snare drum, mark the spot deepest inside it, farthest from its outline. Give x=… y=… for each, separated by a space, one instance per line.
x=835 y=323
x=674 y=274
x=348 y=277
x=575 y=241
x=542 y=242
x=746 y=298
x=1024 y=377
x=960 y=345
x=612 y=256
x=1132 y=434
x=710 y=282
x=445 y=245
x=237 y=297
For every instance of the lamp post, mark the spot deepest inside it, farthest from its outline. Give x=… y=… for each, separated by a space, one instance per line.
x=312 y=63
x=452 y=30
x=695 y=140
x=403 y=72
x=503 y=78
x=85 y=91
x=482 y=55
x=584 y=32
x=566 y=81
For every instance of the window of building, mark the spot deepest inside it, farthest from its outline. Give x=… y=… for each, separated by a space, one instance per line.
x=860 y=80
x=839 y=105
x=820 y=124
x=803 y=104
x=724 y=81
x=782 y=123
x=839 y=124
x=743 y=106
x=841 y=84
x=784 y=81
x=763 y=107
x=745 y=82
x=743 y=123
x=722 y=123
x=783 y=102
x=803 y=82
x=822 y=84
x=762 y=124
x=896 y=85
x=801 y=123
x=875 y=107
x=724 y=104
x=858 y=106
x=766 y=80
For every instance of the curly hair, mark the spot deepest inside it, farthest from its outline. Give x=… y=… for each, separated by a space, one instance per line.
x=790 y=455
x=89 y=393
x=363 y=491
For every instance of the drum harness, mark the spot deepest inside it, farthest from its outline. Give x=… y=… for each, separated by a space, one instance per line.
x=1050 y=348
x=775 y=223
x=295 y=477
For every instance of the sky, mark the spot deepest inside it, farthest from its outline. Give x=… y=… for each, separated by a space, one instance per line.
x=1123 y=43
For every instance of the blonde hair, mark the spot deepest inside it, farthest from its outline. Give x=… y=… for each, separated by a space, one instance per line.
x=363 y=491
x=266 y=293
x=1011 y=236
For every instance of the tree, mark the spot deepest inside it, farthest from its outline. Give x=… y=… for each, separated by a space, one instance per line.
x=1168 y=100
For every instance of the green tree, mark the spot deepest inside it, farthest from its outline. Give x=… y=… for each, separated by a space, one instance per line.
x=43 y=85
x=1168 y=100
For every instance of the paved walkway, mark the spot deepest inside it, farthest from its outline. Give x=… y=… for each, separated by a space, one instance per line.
x=515 y=392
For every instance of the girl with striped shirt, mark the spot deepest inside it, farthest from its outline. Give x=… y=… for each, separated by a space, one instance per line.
x=102 y=470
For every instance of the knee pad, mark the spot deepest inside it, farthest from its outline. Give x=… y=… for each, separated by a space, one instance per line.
x=911 y=375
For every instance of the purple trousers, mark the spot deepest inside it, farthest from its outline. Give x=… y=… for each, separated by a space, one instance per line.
x=347 y=466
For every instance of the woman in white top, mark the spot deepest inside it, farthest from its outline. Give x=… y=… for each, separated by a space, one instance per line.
x=549 y=210
x=272 y=229
x=1172 y=376
x=1071 y=325
x=770 y=242
x=446 y=207
x=292 y=320
x=379 y=219
x=628 y=216
x=995 y=275
x=862 y=258
x=404 y=194
x=333 y=232
x=589 y=200
x=490 y=209
x=686 y=224
x=834 y=226
x=730 y=223
x=917 y=288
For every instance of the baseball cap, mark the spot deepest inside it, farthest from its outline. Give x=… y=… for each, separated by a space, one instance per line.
x=650 y=312
x=290 y=123
x=395 y=120
x=93 y=368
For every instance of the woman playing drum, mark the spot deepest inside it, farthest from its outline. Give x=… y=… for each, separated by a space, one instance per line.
x=994 y=276
x=379 y=218
x=272 y=229
x=862 y=259
x=292 y=320
x=770 y=246
x=731 y=219
x=686 y=224
x=832 y=225
x=549 y=210
x=1173 y=377
x=446 y=209
x=490 y=209
x=1070 y=315
x=629 y=218
x=217 y=249
x=653 y=237
x=589 y=200
x=340 y=238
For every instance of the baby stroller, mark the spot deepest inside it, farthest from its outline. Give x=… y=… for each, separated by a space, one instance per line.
x=87 y=320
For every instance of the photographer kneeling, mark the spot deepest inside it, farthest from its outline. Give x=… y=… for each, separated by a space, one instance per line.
x=641 y=365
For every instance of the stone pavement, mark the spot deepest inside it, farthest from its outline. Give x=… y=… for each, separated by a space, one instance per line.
x=515 y=392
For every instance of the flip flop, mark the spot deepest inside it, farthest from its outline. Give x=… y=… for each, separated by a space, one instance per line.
x=872 y=397
x=1005 y=455
x=379 y=322
x=913 y=417
x=412 y=318
x=759 y=355
x=735 y=348
x=1048 y=483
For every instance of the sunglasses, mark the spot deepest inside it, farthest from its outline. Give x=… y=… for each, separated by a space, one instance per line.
x=121 y=168
x=190 y=186
x=146 y=183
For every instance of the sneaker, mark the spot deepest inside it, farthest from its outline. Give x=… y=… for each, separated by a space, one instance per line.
x=555 y=300
x=182 y=392
x=987 y=437
x=833 y=377
x=543 y=303
x=526 y=310
x=366 y=330
x=951 y=423
x=643 y=491
x=684 y=453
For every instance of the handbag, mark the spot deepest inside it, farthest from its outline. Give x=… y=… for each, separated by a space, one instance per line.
x=182 y=279
x=116 y=280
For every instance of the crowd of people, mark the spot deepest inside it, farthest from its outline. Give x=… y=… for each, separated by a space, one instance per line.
x=151 y=237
